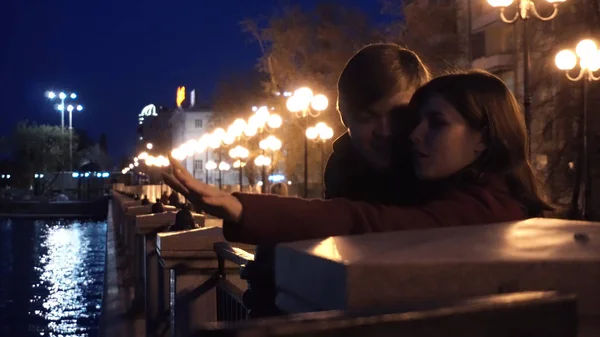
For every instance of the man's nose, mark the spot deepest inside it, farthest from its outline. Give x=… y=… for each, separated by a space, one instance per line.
x=383 y=128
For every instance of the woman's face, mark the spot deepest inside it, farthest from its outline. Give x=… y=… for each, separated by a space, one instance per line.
x=443 y=142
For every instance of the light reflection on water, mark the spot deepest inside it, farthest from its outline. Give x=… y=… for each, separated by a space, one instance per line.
x=51 y=283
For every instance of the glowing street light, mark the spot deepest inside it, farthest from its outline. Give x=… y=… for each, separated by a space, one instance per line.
x=149 y=146
x=304 y=103
x=525 y=10
x=320 y=133
x=587 y=55
x=262 y=160
x=61 y=106
x=239 y=152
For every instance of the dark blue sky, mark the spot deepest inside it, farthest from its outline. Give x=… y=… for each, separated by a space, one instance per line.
x=120 y=55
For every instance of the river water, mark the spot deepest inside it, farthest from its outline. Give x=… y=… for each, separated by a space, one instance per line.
x=51 y=277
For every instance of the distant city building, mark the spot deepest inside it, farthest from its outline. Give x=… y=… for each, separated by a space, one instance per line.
x=191 y=124
x=154 y=128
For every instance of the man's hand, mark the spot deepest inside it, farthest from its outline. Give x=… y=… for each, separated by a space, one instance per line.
x=213 y=201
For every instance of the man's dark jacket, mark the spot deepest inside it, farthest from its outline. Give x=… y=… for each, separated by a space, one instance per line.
x=349 y=175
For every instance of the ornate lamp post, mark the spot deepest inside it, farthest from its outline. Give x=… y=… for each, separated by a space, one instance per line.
x=262 y=121
x=525 y=10
x=320 y=133
x=303 y=103
x=239 y=153
x=271 y=144
x=210 y=166
x=588 y=56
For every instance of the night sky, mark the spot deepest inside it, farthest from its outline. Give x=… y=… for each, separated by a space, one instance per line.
x=119 y=56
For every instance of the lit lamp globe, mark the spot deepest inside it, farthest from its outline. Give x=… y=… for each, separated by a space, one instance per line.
x=592 y=62
x=243 y=152
x=565 y=60
x=214 y=142
x=223 y=166
x=263 y=144
x=262 y=115
x=293 y=104
x=586 y=48
x=219 y=133
x=275 y=144
x=312 y=133
x=274 y=121
x=239 y=124
x=500 y=3
x=228 y=139
x=234 y=131
x=319 y=102
x=250 y=131
x=326 y=133
x=304 y=93
x=210 y=165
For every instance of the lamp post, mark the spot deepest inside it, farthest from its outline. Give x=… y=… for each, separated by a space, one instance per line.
x=223 y=166
x=262 y=121
x=525 y=10
x=320 y=133
x=238 y=153
x=271 y=144
x=61 y=107
x=209 y=166
x=305 y=104
x=70 y=109
x=587 y=55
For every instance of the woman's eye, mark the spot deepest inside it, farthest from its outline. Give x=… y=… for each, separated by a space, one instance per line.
x=437 y=121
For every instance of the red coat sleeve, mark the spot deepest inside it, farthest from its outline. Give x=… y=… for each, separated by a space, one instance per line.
x=269 y=219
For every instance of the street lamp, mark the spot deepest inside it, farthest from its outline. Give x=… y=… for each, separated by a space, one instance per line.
x=209 y=166
x=271 y=144
x=239 y=152
x=262 y=120
x=303 y=103
x=588 y=55
x=320 y=133
x=61 y=107
x=70 y=109
x=525 y=10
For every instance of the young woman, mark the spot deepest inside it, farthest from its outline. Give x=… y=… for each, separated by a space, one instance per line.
x=469 y=146
x=374 y=90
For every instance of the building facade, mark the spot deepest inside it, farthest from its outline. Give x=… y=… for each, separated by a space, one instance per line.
x=154 y=130
x=191 y=124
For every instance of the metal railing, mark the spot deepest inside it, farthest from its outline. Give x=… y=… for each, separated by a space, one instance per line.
x=230 y=298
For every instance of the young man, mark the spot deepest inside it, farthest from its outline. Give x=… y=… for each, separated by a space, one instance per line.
x=373 y=93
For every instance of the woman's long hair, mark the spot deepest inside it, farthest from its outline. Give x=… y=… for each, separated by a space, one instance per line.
x=488 y=105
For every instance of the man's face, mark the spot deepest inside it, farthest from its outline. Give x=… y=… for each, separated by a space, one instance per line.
x=371 y=129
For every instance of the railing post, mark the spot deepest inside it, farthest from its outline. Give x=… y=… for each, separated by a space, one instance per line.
x=260 y=275
x=192 y=264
